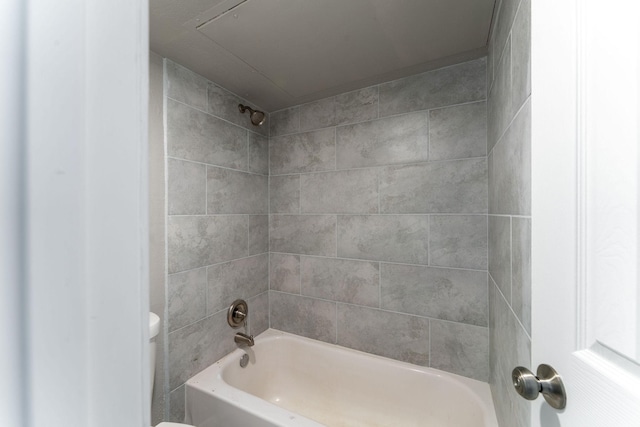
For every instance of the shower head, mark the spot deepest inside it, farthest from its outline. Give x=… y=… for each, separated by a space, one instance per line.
x=257 y=117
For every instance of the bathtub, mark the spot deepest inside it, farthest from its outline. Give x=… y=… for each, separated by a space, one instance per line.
x=295 y=381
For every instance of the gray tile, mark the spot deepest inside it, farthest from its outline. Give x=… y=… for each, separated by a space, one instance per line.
x=285 y=121
x=285 y=273
x=521 y=270
x=456 y=84
x=194 y=242
x=177 y=405
x=458 y=132
x=357 y=106
x=194 y=135
x=284 y=194
x=303 y=234
x=401 y=139
x=521 y=54
x=234 y=192
x=195 y=347
x=396 y=238
x=354 y=191
x=499 y=109
x=258 y=313
x=504 y=22
x=491 y=53
x=186 y=300
x=309 y=317
x=302 y=152
x=456 y=186
x=317 y=115
x=186 y=86
x=458 y=241
x=355 y=282
x=500 y=253
x=510 y=173
x=460 y=349
x=186 y=187
x=224 y=104
x=397 y=336
x=441 y=293
x=258 y=154
x=258 y=234
x=509 y=347
x=241 y=278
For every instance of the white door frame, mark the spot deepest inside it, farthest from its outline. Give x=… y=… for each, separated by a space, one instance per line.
x=12 y=356
x=77 y=277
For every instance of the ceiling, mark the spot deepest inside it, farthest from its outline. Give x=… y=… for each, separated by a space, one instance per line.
x=279 y=53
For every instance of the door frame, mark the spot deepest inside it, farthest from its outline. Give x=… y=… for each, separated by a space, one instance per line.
x=77 y=301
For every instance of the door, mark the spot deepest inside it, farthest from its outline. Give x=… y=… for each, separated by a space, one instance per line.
x=585 y=215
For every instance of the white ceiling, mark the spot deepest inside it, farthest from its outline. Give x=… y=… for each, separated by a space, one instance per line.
x=278 y=53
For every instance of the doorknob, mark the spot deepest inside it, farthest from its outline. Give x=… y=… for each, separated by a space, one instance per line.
x=547 y=381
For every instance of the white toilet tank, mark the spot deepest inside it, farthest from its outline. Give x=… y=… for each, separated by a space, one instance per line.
x=154 y=328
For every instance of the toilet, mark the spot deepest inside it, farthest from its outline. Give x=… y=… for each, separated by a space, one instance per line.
x=154 y=329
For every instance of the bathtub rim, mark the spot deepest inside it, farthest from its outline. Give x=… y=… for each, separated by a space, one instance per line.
x=212 y=376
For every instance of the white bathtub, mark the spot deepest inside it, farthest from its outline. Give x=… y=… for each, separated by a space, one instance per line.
x=295 y=381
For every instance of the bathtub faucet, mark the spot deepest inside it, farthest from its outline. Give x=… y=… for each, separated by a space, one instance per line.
x=241 y=339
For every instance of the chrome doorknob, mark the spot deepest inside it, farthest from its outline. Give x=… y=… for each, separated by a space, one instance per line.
x=547 y=381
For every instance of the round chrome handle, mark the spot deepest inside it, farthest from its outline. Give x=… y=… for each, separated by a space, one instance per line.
x=237 y=314
x=547 y=381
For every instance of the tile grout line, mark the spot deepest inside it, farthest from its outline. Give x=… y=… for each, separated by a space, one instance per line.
x=510 y=309
x=374 y=261
x=217 y=263
x=511 y=259
x=358 y=168
x=336 y=256
x=506 y=129
x=213 y=115
x=379 y=285
x=429 y=240
x=210 y=165
x=382 y=310
x=370 y=214
x=378 y=118
x=335 y=148
x=430 y=342
x=300 y=274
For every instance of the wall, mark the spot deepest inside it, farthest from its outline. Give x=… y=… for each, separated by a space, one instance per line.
x=217 y=225
x=157 y=269
x=509 y=138
x=377 y=236
x=378 y=220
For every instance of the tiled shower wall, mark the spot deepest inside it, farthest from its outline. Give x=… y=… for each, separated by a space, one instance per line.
x=509 y=138
x=378 y=220
x=376 y=237
x=217 y=225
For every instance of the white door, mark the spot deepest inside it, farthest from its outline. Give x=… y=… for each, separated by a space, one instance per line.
x=586 y=215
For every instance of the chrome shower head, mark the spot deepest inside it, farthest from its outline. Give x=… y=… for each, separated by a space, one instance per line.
x=257 y=117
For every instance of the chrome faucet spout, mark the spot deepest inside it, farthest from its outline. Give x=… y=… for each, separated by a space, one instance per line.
x=243 y=339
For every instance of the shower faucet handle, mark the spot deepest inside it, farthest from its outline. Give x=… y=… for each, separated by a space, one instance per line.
x=238 y=313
